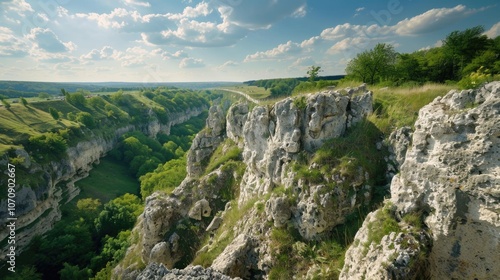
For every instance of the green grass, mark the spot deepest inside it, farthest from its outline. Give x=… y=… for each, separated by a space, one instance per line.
x=19 y=123
x=107 y=181
x=253 y=91
x=219 y=156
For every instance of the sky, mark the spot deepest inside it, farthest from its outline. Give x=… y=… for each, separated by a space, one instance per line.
x=216 y=40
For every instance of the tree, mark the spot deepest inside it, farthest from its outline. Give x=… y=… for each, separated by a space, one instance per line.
x=313 y=72
x=118 y=214
x=43 y=95
x=24 y=102
x=373 y=65
x=463 y=46
x=86 y=119
x=5 y=103
x=53 y=112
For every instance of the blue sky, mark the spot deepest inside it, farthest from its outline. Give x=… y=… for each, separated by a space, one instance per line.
x=216 y=40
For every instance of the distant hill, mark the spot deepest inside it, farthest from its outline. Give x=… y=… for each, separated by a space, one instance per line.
x=13 y=89
x=302 y=79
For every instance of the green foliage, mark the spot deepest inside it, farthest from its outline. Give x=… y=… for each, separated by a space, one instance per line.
x=24 y=102
x=46 y=147
x=76 y=99
x=43 y=95
x=384 y=224
x=476 y=79
x=5 y=103
x=86 y=119
x=73 y=272
x=373 y=65
x=118 y=214
x=313 y=72
x=71 y=243
x=165 y=178
x=221 y=155
x=24 y=273
x=300 y=102
x=345 y=155
x=54 y=113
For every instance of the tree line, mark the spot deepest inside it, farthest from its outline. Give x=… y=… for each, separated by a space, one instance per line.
x=463 y=56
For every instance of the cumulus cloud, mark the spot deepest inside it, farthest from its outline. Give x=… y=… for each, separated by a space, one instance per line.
x=46 y=40
x=303 y=62
x=17 y=6
x=432 y=19
x=259 y=14
x=281 y=51
x=191 y=63
x=175 y=55
x=106 y=52
x=350 y=38
x=10 y=45
x=494 y=31
x=346 y=44
x=202 y=9
x=137 y=3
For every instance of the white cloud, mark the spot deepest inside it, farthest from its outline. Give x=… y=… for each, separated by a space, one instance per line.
x=137 y=3
x=300 y=12
x=10 y=45
x=191 y=63
x=202 y=9
x=227 y=64
x=347 y=44
x=280 y=51
x=303 y=62
x=358 y=11
x=115 y=19
x=494 y=31
x=17 y=6
x=46 y=40
x=167 y=55
x=260 y=14
x=432 y=20
x=106 y=52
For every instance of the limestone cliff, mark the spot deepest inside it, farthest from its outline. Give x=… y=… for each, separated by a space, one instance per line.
x=445 y=201
x=38 y=205
x=260 y=186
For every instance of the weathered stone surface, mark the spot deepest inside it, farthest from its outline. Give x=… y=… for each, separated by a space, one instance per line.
x=206 y=141
x=200 y=209
x=215 y=224
x=160 y=213
x=452 y=174
x=399 y=142
x=390 y=259
x=278 y=210
x=159 y=272
x=360 y=107
x=236 y=258
x=236 y=118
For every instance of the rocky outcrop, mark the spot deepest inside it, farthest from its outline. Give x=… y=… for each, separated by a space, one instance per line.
x=39 y=203
x=450 y=177
x=273 y=137
x=160 y=272
x=206 y=141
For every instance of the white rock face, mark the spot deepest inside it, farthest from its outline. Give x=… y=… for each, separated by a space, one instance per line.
x=451 y=172
x=273 y=137
x=234 y=260
x=206 y=141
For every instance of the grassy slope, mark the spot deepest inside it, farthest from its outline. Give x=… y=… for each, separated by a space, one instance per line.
x=19 y=122
x=107 y=181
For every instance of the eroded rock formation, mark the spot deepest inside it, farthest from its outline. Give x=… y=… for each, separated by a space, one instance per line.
x=451 y=179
